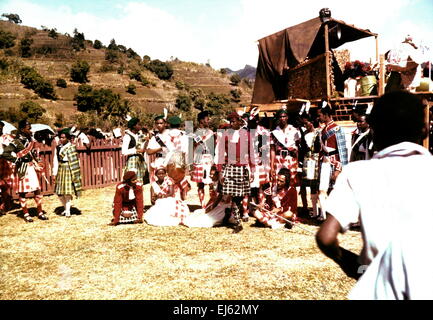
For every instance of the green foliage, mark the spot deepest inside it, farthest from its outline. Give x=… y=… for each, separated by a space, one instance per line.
x=107 y=67
x=78 y=41
x=79 y=71
x=235 y=79
x=121 y=69
x=25 y=47
x=7 y=39
x=46 y=49
x=113 y=45
x=61 y=83
x=183 y=102
x=131 y=53
x=180 y=85
x=59 y=121
x=131 y=88
x=12 y=17
x=104 y=102
x=146 y=59
x=31 y=79
x=223 y=71
x=163 y=70
x=135 y=75
x=32 y=109
x=236 y=95
x=4 y=64
x=112 y=56
x=53 y=33
x=97 y=44
x=145 y=82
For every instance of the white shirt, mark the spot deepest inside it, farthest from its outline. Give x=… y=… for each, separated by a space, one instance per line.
x=402 y=271
x=288 y=136
x=387 y=192
x=126 y=151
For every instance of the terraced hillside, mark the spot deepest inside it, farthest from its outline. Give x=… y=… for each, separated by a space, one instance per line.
x=54 y=57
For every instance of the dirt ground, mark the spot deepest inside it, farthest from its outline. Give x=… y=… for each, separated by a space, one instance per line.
x=84 y=258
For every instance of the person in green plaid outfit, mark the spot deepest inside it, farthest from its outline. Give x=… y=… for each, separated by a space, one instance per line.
x=66 y=171
x=134 y=146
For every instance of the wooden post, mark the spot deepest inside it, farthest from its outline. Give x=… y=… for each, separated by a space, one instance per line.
x=429 y=104
x=327 y=58
x=381 y=89
x=377 y=49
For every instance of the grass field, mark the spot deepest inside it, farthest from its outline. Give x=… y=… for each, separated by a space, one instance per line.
x=84 y=258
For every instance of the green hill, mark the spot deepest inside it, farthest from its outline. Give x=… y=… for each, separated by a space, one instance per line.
x=53 y=57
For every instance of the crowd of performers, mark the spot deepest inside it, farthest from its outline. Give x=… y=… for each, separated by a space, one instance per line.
x=251 y=167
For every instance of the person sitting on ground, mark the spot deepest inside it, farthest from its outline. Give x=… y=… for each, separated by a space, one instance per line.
x=280 y=205
x=128 y=201
x=166 y=209
x=215 y=210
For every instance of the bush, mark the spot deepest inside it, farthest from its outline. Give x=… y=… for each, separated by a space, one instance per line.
x=31 y=79
x=113 y=45
x=112 y=56
x=79 y=72
x=131 y=88
x=32 y=109
x=235 y=79
x=163 y=70
x=236 y=95
x=61 y=83
x=25 y=47
x=135 y=75
x=60 y=120
x=180 y=85
x=97 y=44
x=145 y=82
x=77 y=42
x=12 y=17
x=7 y=39
x=46 y=49
x=183 y=102
x=53 y=33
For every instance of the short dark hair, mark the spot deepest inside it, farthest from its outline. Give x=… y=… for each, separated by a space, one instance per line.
x=396 y=117
x=285 y=172
x=23 y=123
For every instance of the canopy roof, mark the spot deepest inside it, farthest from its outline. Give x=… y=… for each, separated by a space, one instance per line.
x=289 y=47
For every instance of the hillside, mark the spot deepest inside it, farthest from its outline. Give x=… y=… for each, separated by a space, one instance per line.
x=54 y=57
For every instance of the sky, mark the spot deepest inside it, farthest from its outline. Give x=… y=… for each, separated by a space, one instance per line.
x=223 y=33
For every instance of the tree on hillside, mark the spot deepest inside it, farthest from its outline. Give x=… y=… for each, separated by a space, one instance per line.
x=146 y=59
x=31 y=79
x=183 y=102
x=113 y=45
x=97 y=44
x=112 y=56
x=7 y=39
x=235 y=79
x=77 y=42
x=12 y=17
x=236 y=95
x=25 y=47
x=53 y=33
x=32 y=110
x=218 y=104
x=79 y=72
x=163 y=70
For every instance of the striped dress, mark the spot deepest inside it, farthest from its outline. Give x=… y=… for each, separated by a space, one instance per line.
x=66 y=168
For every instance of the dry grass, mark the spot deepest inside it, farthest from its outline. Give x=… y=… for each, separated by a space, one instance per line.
x=83 y=258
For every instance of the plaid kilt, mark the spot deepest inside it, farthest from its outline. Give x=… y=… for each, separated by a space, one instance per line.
x=236 y=181
x=136 y=163
x=197 y=173
x=30 y=181
x=64 y=184
x=125 y=213
x=290 y=163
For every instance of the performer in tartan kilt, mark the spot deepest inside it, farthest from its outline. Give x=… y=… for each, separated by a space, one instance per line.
x=280 y=205
x=333 y=155
x=66 y=171
x=285 y=140
x=203 y=159
x=157 y=147
x=128 y=201
x=133 y=146
x=23 y=154
x=232 y=154
x=6 y=173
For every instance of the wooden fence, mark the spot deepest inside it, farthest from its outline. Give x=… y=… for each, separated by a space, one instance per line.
x=101 y=164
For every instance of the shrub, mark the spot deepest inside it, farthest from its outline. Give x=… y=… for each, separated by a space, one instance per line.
x=236 y=95
x=180 y=85
x=7 y=39
x=145 y=82
x=79 y=71
x=183 y=102
x=135 y=75
x=97 y=44
x=61 y=83
x=112 y=56
x=32 y=109
x=163 y=70
x=131 y=88
x=53 y=33
x=235 y=79
x=25 y=47
x=113 y=45
x=12 y=17
x=77 y=42
x=31 y=79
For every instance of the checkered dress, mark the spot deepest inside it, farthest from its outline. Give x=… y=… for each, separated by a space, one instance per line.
x=68 y=179
x=128 y=216
x=260 y=157
x=202 y=162
x=236 y=180
x=137 y=164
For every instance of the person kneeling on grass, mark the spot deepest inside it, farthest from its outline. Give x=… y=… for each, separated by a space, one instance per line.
x=280 y=205
x=214 y=214
x=166 y=210
x=128 y=200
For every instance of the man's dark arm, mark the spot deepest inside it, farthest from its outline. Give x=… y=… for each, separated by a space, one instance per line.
x=327 y=240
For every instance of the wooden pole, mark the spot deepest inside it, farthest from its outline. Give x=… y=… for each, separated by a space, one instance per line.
x=377 y=49
x=327 y=58
x=381 y=89
x=429 y=104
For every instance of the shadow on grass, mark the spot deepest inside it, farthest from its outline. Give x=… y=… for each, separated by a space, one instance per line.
x=74 y=211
